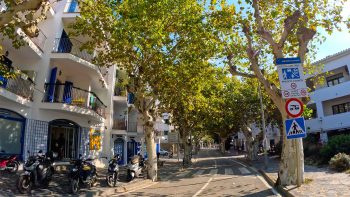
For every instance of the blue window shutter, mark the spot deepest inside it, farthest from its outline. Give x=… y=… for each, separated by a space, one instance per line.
x=73 y=5
x=3 y=81
x=51 y=90
x=67 y=94
x=131 y=98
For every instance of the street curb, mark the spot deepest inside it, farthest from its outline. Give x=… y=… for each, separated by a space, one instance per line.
x=118 y=189
x=282 y=190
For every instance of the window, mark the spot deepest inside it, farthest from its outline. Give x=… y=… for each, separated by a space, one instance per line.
x=335 y=79
x=341 y=108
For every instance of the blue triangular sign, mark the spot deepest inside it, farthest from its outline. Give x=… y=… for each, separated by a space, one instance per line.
x=295 y=128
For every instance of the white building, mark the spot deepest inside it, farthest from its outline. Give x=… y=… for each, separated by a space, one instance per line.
x=330 y=99
x=273 y=135
x=62 y=101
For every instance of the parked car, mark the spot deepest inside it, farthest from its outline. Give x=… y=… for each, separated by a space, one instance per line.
x=163 y=152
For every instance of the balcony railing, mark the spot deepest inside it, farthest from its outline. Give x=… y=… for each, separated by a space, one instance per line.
x=72 y=46
x=68 y=94
x=40 y=40
x=20 y=85
x=119 y=124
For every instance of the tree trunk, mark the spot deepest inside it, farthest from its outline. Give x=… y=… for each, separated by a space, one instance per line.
x=287 y=174
x=187 y=149
x=151 y=148
x=250 y=144
x=222 y=144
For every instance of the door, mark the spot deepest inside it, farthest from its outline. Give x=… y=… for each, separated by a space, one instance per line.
x=131 y=149
x=63 y=140
x=119 y=149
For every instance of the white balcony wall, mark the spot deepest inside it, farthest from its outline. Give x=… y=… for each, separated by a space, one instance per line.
x=333 y=122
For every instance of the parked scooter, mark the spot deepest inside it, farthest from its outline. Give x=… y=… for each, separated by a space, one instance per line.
x=83 y=173
x=9 y=163
x=136 y=168
x=38 y=171
x=113 y=171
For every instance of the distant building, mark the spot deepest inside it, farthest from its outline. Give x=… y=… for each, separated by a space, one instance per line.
x=273 y=136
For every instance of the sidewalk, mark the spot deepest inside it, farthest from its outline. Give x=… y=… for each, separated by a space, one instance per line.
x=321 y=181
x=60 y=183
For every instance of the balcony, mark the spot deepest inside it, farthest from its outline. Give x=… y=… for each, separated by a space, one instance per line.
x=33 y=48
x=67 y=52
x=19 y=89
x=328 y=93
x=74 y=99
x=327 y=123
x=40 y=40
x=119 y=124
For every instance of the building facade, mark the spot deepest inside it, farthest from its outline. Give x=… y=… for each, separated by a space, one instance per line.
x=61 y=101
x=330 y=96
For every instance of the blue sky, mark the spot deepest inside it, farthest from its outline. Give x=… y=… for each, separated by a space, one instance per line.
x=336 y=42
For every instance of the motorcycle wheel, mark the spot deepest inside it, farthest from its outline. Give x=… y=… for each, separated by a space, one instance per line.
x=74 y=186
x=48 y=179
x=24 y=185
x=110 y=180
x=14 y=166
x=94 y=181
x=131 y=176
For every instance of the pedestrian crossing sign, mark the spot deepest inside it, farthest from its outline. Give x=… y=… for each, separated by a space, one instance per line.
x=295 y=128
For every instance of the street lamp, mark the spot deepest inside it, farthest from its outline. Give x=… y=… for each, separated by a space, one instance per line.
x=264 y=128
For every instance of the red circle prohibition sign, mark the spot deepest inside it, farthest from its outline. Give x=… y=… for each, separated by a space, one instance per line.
x=290 y=108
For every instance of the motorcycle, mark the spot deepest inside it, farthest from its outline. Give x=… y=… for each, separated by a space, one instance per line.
x=38 y=171
x=9 y=163
x=136 y=168
x=113 y=171
x=83 y=173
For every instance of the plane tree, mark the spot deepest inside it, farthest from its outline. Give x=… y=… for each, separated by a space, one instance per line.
x=255 y=33
x=148 y=40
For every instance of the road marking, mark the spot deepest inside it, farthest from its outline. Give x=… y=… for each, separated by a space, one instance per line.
x=228 y=171
x=223 y=177
x=213 y=171
x=261 y=179
x=244 y=170
x=136 y=189
x=204 y=186
x=199 y=172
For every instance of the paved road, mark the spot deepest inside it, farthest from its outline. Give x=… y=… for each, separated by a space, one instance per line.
x=211 y=175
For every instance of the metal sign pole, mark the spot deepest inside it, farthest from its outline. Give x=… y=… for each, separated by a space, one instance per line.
x=297 y=143
x=264 y=128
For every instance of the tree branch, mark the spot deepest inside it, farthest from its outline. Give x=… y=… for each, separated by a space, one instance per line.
x=233 y=69
x=252 y=55
x=289 y=24
x=265 y=34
